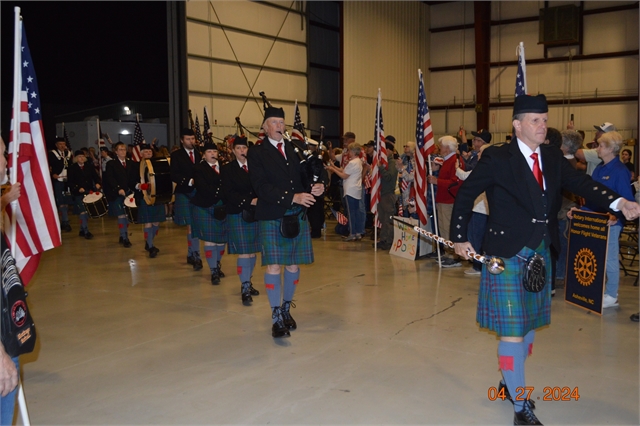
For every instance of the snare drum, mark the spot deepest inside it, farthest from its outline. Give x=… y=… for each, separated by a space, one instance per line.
x=131 y=209
x=157 y=173
x=96 y=204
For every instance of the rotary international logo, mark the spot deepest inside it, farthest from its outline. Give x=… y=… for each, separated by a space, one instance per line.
x=585 y=266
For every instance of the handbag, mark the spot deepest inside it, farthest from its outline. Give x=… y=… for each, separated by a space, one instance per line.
x=534 y=273
x=249 y=215
x=219 y=212
x=290 y=226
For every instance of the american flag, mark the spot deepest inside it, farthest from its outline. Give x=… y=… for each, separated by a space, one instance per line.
x=196 y=130
x=379 y=158
x=37 y=227
x=342 y=219
x=298 y=127
x=426 y=146
x=205 y=124
x=521 y=76
x=137 y=140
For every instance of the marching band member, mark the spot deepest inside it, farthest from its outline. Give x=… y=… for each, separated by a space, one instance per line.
x=208 y=215
x=59 y=162
x=276 y=176
x=241 y=201
x=150 y=216
x=116 y=187
x=82 y=179
x=183 y=163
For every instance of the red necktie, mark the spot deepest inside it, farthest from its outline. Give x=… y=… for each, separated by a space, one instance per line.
x=244 y=167
x=537 y=173
x=281 y=149
x=193 y=160
x=124 y=164
x=215 y=168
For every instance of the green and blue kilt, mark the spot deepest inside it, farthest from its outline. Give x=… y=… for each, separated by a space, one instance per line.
x=504 y=306
x=244 y=237
x=150 y=214
x=78 y=205
x=116 y=207
x=278 y=250
x=206 y=227
x=182 y=208
x=61 y=193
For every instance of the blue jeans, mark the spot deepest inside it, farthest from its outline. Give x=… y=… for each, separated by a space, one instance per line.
x=8 y=403
x=475 y=232
x=561 y=264
x=613 y=269
x=356 y=215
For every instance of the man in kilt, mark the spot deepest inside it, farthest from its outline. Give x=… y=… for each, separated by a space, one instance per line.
x=183 y=162
x=117 y=179
x=523 y=181
x=82 y=178
x=277 y=177
x=208 y=215
x=59 y=161
x=150 y=216
x=243 y=228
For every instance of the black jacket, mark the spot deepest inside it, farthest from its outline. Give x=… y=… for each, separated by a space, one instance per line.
x=236 y=188
x=274 y=179
x=85 y=178
x=56 y=165
x=182 y=169
x=515 y=199
x=208 y=185
x=117 y=177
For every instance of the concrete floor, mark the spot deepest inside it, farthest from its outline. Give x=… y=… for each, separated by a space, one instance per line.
x=124 y=339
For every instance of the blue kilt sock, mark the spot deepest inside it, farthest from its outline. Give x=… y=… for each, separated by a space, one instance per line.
x=290 y=284
x=84 y=221
x=64 y=215
x=528 y=343
x=211 y=254
x=189 y=248
x=511 y=362
x=195 y=247
x=244 y=269
x=272 y=284
x=148 y=236
x=123 y=224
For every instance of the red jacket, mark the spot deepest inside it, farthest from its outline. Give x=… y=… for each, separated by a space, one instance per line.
x=446 y=177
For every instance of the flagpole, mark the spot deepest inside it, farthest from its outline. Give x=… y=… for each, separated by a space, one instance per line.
x=435 y=215
x=99 y=147
x=17 y=79
x=378 y=145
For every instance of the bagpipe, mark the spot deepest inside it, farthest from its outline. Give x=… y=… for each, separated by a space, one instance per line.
x=311 y=162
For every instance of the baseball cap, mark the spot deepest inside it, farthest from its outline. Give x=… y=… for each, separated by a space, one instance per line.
x=483 y=134
x=606 y=127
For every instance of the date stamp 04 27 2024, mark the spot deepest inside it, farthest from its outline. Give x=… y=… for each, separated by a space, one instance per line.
x=555 y=393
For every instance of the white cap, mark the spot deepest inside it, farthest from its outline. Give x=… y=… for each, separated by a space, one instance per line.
x=606 y=127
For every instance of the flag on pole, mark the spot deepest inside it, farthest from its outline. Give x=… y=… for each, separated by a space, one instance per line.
x=379 y=159
x=196 y=129
x=521 y=76
x=138 y=139
x=205 y=123
x=381 y=147
x=426 y=146
x=37 y=227
x=298 y=127
x=342 y=219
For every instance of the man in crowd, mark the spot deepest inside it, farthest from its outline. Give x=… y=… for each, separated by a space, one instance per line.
x=83 y=178
x=116 y=187
x=589 y=155
x=480 y=138
x=59 y=161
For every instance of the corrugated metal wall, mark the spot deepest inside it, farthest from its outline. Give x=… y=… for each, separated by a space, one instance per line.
x=236 y=49
x=384 y=45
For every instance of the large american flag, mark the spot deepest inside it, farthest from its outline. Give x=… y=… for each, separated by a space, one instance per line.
x=298 y=127
x=379 y=159
x=426 y=146
x=521 y=76
x=196 y=130
x=205 y=124
x=37 y=227
x=137 y=140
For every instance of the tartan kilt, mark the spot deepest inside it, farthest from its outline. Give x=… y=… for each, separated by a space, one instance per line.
x=61 y=193
x=278 y=250
x=206 y=227
x=504 y=306
x=182 y=208
x=244 y=238
x=78 y=205
x=116 y=207
x=150 y=214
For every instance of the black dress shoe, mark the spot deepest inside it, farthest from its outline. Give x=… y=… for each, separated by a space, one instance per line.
x=88 y=235
x=153 y=252
x=65 y=226
x=246 y=299
x=253 y=291
x=507 y=395
x=215 y=277
x=146 y=246
x=525 y=417
x=191 y=260
x=81 y=233
x=635 y=317
x=220 y=273
x=197 y=264
x=126 y=243
x=278 y=329
x=288 y=320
